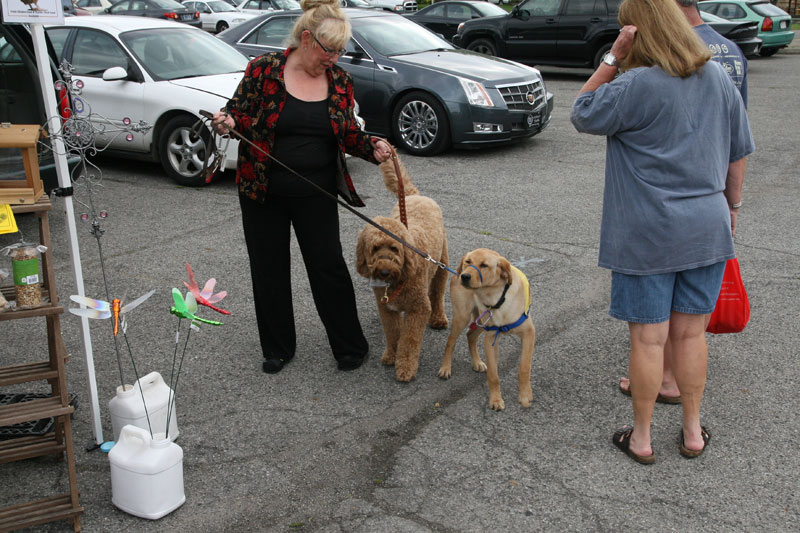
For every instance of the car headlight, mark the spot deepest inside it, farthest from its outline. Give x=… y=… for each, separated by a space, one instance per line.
x=476 y=93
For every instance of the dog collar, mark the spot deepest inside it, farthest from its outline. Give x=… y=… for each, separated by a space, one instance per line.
x=386 y=298
x=502 y=298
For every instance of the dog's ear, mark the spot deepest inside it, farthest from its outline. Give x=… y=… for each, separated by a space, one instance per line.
x=361 y=254
x=505 y=269
x=460 y=268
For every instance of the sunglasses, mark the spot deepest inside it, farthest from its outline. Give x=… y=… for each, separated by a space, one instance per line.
x=329 y=51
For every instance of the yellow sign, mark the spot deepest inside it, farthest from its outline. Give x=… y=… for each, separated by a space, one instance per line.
x=7 y=222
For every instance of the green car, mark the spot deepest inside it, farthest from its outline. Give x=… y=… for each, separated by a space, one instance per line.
x=774 y=24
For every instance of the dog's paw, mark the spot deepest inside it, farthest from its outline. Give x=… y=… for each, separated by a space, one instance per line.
x=497 y=404
x=479 y=366
x=445 y=372
x=438 y=323
x=388 y=358
x=405 y=374
x=525 y=400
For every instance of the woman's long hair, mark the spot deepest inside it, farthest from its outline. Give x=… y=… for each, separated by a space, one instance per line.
x=663 y=38
x=324 y=19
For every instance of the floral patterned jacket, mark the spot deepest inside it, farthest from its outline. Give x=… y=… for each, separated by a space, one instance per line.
x=258 y=102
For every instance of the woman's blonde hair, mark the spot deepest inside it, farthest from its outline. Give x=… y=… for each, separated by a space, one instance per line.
x=324 y=19
x=663 y=38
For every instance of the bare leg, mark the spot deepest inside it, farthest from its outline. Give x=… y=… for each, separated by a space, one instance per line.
x=669 y=387
x=646 y=367
x=690 y=363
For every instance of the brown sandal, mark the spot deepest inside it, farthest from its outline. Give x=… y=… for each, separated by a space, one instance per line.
x=691 y=454
x=622 y=440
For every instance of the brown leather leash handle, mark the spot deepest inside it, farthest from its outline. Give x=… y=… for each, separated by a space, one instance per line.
x=401 y=193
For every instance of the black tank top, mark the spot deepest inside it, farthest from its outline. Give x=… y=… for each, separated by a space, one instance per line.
x=304 y=142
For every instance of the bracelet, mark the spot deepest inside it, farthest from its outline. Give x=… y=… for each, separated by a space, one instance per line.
x=737 y=205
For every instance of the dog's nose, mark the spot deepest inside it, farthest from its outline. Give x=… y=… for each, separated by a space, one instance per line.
x=465 y=277
x=384 y=273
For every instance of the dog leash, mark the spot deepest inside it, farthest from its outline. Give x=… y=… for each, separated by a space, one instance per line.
x=427 y=257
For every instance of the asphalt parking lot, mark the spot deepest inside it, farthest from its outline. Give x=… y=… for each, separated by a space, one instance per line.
x=315 y=449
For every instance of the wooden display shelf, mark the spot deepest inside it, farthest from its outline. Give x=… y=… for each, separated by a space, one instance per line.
x=15 y=374
x=16 y=413
x=27 y=191
x=40 y=512
x=21 y=448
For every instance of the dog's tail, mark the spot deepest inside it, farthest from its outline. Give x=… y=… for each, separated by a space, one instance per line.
x=390 y=177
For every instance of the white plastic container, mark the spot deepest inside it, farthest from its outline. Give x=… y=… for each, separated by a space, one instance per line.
x=127 y=407
x=146 y=473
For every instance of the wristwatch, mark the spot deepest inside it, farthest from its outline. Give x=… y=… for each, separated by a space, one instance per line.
x=610 y=59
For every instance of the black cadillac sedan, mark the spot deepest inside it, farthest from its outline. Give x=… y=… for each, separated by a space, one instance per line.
x=415 y=87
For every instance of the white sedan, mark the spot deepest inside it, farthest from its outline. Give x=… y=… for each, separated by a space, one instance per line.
x=159 y=72
x=94 y=6
x=217 y=15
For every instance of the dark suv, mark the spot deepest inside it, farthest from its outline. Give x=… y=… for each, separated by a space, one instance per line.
x=567 y=33
x=21 y=100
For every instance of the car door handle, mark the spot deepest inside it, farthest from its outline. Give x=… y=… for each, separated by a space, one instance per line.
x=594 y=20
x=549 y=21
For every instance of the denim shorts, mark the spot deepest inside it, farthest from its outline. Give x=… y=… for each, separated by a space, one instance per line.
x=650 y=299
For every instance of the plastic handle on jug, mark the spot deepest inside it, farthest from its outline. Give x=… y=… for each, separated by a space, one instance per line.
x=131 y=433
x=151 y=380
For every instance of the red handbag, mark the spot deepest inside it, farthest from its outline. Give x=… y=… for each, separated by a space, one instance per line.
x=733 y=308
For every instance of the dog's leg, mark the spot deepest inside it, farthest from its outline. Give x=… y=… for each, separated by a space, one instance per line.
x=528 y=335
x=460 y=321
x=410 y=344
x=495 y=398
x=472 y=341
x=436 y=295
x=392 y=322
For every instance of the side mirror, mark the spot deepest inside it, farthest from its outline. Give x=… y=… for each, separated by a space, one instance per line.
x=115 y=73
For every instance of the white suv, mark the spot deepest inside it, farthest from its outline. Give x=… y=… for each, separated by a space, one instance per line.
x=398 y=6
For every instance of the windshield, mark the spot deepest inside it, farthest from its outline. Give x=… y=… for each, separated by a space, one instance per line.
x=766 y=9
x=169 y=54
x=395 y=35
x=359 y=3
x=218 y=6
x=287 y=4
x=489 y=10
x=168 y=4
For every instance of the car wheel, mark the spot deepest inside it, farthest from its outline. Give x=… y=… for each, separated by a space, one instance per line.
x=598 y=57
x=483 y=46
x=419 y=124
x=182 y=152
x=766 y=52
x=222 y=26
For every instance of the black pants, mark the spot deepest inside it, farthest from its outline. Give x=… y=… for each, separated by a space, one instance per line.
x=316 y=225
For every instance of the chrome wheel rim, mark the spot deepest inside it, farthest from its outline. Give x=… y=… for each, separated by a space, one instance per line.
x=418 y=125
x=186 y=155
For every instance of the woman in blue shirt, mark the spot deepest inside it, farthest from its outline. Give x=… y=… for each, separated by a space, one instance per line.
x=674 y=172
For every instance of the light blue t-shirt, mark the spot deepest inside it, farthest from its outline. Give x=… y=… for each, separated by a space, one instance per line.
x=669 y=144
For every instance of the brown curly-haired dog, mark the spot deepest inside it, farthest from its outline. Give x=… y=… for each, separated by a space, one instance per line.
x=414 y=292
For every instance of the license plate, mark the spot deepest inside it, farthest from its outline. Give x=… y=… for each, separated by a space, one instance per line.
x=784 y=24
x=533 y=120
x=186 y=17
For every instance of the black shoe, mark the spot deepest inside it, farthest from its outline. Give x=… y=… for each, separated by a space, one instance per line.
x=350 y=362
x=274 y=365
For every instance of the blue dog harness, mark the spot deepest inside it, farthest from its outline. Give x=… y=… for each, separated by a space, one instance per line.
x=507 y=327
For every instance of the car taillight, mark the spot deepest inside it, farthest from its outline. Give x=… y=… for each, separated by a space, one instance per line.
x=173 y=16
x=197 y=14
x=766 y=25
x=63 y=102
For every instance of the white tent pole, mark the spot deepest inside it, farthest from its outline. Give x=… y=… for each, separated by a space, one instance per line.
x=59 y=154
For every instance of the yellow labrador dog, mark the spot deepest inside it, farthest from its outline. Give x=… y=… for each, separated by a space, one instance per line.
x=492 y=297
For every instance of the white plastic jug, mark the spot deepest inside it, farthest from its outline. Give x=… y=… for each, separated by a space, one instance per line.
x=146 y=473
x=127 y=407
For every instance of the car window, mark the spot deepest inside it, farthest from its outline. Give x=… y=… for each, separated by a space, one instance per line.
x=489 y=10
x=459 y=11
x=730 y=11
x=251 y=4
x=219 y=6
x=392 y=36
x=540 y=8
x=95 y=52
x=18 y=97
x=613 y=6
x=436 y=11
x=275 y=32
x=58 y=36
x=586 y=7
x=138 y=5
x=765 y=9
x=167 y=4
x=120 y=7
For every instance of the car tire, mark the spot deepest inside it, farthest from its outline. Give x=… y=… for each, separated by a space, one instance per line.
x=483 y=46
x=222 y=26
x=766 y=52
x=598 y=57
x=420 y=125
x=181 y=152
